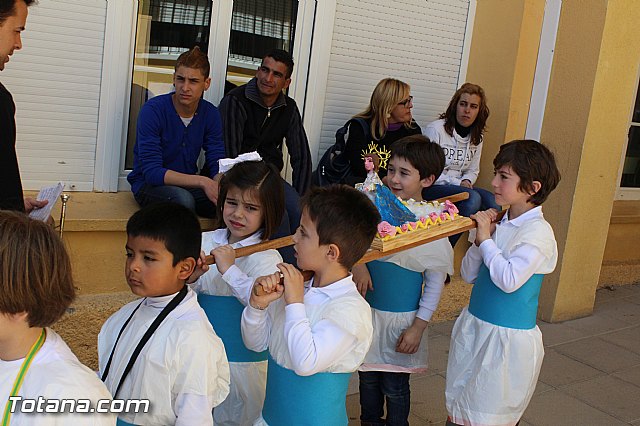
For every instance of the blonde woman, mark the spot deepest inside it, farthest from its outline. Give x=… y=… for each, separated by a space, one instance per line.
x=389 y=118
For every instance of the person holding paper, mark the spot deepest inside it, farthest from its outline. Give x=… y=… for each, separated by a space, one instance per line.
x=13 y=17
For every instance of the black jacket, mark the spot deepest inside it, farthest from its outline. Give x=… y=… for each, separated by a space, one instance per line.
x=11 y=197
x=249 y=125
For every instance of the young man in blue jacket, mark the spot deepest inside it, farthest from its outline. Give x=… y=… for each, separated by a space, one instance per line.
x=172 y=130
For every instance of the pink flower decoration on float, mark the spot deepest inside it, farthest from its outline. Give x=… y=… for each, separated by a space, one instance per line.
x=433 y=216
x=414 y=225
x=386 y=229
x=404 y=227
x=423 y=220
x=451 y=208
x=443 y=216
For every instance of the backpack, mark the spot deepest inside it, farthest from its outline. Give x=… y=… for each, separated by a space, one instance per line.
x=334 y=166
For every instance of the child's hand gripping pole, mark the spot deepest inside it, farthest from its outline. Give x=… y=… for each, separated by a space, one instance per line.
x=259 y=290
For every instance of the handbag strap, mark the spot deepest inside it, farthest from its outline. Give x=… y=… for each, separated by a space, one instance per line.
x=145 y=338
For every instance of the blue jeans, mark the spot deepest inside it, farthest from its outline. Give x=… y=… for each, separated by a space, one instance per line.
x=479 y=199
x=375 y=387
x=193 y=198
x=290 y=221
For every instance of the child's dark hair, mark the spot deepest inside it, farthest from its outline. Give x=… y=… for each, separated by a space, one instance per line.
x=343 y=216
x=531 y=161
x=426 y=156
x=36 y=271
x=267 y=186
x=195 y=59
x=283 y=56
x=173 y=224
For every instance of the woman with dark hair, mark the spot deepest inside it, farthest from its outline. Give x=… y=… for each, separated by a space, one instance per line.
x=389 y=118
x=459 y=132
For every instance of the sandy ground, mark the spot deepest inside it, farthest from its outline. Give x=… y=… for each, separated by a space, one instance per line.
x=81 y=324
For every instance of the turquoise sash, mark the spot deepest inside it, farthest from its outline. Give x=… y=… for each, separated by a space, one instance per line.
x=121 y=422
x=395 y=289
x=318 y=399
x=512 y=310
x=224 y=314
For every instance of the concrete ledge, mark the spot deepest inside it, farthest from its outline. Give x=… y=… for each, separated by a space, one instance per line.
x=625 y=212
x=102 y=211
x=94 y=233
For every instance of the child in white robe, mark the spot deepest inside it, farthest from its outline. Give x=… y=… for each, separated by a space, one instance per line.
x=182 y=368
x=36 y=365
x=496 y=347
x=317 y=332
x=406 y=289
x=250 y=208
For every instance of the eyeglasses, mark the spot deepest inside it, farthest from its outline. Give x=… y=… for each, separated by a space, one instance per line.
x=406 y=102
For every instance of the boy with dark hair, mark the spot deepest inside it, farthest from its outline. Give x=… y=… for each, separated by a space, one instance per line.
x=163 y=348
x=37 y=288
x=415 y=278
x=172 y=129
x=496 y=349
x=317 y=332
x=258 y=116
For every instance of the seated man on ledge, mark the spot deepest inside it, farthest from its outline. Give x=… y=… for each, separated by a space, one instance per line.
x=171 y=131
x=258 y=116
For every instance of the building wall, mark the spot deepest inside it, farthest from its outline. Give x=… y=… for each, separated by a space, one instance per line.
x=55 y=82
x=593 y=79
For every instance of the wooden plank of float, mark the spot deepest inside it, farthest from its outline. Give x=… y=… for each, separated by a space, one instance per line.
x=420 y=236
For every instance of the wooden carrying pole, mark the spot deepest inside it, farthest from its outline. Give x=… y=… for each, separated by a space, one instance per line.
x=371 y=254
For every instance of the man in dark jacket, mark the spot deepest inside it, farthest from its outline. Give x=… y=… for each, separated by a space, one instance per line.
x=13 y=17
x=258 y=116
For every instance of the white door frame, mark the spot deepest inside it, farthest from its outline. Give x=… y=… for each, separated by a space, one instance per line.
x=544 y=63
x=115 y=90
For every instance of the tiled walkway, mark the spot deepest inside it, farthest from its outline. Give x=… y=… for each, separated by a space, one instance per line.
x=590 y=375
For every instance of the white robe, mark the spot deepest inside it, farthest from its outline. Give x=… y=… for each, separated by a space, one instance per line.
x=182 y=369
x=55 y=373
x=492 y=371
x=434 y=260
x=330 y=332
x=248 y=379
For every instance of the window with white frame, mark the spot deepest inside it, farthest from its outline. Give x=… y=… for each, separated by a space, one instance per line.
x=631 y=167
x=256 y=28
x=165 y=29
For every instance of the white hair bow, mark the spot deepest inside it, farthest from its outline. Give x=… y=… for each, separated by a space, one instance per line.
x=224 y=164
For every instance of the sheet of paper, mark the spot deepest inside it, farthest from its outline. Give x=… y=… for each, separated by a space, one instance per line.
x=51 y=194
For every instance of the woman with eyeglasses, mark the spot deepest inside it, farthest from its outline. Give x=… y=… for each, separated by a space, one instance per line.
x=388 y=116
x=459 y=132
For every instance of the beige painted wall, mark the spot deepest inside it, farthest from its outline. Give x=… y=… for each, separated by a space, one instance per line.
x=593 y=81
x=502 y=60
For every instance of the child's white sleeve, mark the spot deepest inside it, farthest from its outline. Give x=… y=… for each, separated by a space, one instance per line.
x=511 y=274
x=471 y=263
x=193 y=410
x=314 y=349
x=433 y=285
x=241 y=282
x=256 y=328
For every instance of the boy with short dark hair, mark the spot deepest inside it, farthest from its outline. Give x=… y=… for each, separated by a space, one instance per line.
x=317 y=332
x=496 y=349
x=37 y=288
x=415 y=278
x=163 y=348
